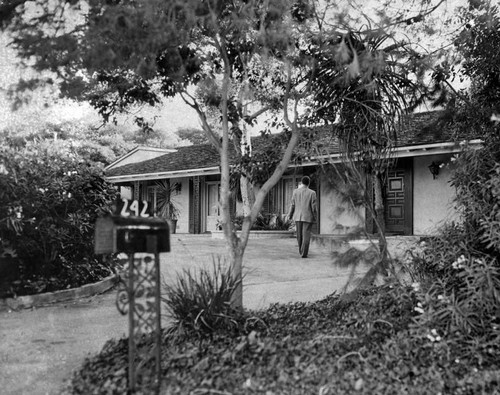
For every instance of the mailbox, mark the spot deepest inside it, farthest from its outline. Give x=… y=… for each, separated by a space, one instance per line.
x=131 y=234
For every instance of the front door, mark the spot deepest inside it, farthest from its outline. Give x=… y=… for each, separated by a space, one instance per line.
x=398 y=199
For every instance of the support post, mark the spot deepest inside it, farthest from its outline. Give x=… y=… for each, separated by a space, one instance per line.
x=131 y=326
x=158 y=322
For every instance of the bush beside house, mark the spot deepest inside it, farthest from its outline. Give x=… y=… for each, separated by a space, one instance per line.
x=50 y=198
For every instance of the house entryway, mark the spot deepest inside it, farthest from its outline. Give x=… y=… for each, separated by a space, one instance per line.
x=398 y=199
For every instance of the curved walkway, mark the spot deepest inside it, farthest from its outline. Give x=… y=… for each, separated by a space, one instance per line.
x=40 y=347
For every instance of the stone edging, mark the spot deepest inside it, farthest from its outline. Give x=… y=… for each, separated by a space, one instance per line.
x=65 y=295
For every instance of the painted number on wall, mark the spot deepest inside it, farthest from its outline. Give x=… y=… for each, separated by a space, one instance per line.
x=135 y=208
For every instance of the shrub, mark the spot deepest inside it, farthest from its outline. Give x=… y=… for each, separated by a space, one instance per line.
x=476 y=177
x=464 y=306
x=266 y=222
x=200 y=301
x=459 y=269
x=432 y=258
x=49 y=201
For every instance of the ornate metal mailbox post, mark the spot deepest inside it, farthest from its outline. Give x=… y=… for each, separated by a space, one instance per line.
x=132 y=230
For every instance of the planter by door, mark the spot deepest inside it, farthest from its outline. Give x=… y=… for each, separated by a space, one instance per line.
x=173 y=225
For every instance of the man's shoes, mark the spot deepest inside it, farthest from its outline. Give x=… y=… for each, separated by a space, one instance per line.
x=304 y=256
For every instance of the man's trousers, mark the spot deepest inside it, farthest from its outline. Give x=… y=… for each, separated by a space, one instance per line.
x=303 y=236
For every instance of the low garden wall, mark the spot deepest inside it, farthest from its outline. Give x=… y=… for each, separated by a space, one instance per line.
x=65 y=295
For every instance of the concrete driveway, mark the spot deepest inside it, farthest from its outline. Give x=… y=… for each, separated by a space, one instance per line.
x=40 y=347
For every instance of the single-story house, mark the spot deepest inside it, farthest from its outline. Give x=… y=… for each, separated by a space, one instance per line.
x=418 y=195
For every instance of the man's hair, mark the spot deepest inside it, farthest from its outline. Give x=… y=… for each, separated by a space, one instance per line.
x=305 y=180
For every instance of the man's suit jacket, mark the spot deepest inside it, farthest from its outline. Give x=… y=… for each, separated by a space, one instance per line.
x=303 y=206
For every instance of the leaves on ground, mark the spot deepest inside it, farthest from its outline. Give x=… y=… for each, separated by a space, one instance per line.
x=369 y=345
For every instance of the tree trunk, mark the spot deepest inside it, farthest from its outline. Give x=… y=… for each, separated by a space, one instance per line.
x=235 y=244
x=247 y=195
x=236 y=249
x=380 y=217
x=247 y=192
x=378 y=203
x=236 y=258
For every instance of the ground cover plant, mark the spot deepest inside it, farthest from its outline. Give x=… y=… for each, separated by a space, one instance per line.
x=373 y=343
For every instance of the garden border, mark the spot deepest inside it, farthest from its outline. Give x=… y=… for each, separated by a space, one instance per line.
x=65 y=295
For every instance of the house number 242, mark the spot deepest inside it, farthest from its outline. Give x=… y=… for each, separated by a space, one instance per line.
x=134 y=208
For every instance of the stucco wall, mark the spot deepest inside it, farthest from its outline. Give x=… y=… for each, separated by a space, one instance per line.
x=182 y=202
x=432 y=198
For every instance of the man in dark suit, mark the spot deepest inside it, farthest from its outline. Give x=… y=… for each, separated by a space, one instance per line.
x=303 y=211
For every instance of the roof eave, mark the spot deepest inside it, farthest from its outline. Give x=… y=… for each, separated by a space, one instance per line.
x=399 y=152
x=166 y=174
x=136 y=149
x=411 y=150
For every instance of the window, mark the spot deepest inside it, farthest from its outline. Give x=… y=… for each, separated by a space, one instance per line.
x=213 y=194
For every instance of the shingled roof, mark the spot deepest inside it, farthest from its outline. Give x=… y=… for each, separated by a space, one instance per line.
x=185 y=158
x=419 y=128
x=426 y=128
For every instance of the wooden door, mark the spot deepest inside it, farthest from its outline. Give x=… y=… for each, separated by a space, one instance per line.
x=398 y=200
